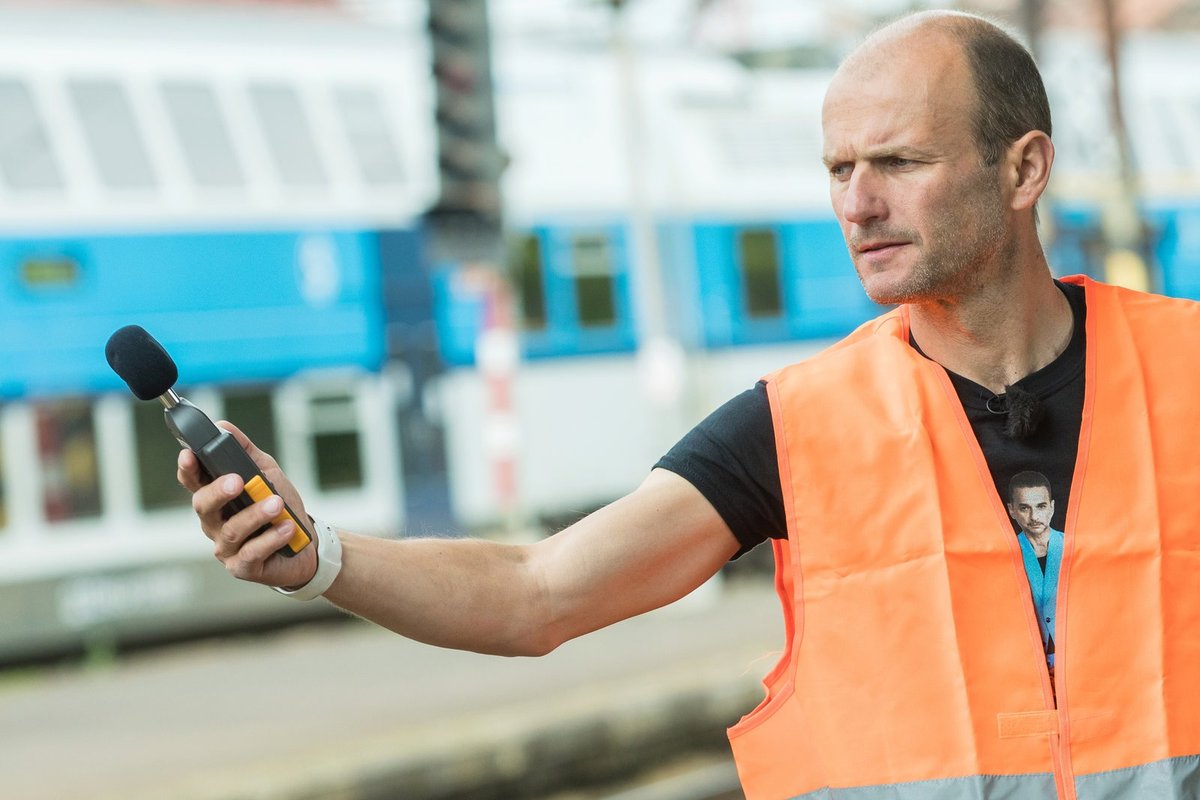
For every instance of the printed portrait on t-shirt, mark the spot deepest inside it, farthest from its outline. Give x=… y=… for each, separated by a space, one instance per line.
x=1030 y=503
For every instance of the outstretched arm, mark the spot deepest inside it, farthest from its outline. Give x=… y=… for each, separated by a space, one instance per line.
x=643 y=551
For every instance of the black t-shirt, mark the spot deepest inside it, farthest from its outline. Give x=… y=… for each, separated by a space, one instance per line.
x=730 y=456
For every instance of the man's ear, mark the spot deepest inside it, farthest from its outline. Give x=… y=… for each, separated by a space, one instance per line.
x=1027 y=169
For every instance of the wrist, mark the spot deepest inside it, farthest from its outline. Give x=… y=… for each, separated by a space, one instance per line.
x=329 y=563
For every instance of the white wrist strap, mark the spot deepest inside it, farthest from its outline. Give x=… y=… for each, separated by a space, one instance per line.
x=329 y=563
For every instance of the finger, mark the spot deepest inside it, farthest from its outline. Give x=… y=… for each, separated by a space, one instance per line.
x=237 y=531
x=188 y=473
x=259 y=561
x=209 y=501
x=257 y=558
x=258 y=550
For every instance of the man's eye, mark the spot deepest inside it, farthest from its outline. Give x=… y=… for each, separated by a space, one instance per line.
x=839 y=171
x=901 y=162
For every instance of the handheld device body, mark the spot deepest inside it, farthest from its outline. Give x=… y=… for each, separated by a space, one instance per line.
x=220 y=454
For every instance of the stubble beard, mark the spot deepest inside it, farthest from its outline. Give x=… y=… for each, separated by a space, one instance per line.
x=963 y=243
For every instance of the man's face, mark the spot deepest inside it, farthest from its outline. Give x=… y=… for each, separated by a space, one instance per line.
x=1032 y=508
x=922 y=217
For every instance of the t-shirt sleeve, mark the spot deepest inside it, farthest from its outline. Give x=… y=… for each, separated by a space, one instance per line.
x=730 y=458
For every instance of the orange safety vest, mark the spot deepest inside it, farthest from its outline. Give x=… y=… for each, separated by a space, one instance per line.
x=914 y=666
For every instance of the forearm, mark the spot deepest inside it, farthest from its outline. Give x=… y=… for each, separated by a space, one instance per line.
x=645 y=550
x=638 y=553
x=466 y=594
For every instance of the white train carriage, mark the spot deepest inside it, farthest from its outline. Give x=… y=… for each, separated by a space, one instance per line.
x=246 y=190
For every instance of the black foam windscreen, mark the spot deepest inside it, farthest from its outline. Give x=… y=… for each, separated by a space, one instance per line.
x=141 y=362
x=1025 y=413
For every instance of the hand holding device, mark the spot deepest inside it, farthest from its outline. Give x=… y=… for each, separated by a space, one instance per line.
x=150 y=373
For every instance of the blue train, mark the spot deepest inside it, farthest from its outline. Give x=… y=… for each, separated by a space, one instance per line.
x=251 y=206
x=261 y=214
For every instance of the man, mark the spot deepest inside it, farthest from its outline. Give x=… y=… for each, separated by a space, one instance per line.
x=914 y=664
x=1031 y=506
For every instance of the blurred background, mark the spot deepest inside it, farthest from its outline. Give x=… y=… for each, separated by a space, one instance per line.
x=464 y=267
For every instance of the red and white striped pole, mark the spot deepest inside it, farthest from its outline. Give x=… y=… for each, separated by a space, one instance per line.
x=497 y=354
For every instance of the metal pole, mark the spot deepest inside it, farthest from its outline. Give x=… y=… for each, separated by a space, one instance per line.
x=1031 y=22
x=661 y=358
x=1125 y=262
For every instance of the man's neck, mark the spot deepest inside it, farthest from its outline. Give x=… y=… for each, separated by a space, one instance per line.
x=1040 y=544
x=1000 y=333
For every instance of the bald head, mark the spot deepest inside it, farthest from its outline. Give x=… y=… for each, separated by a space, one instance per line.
x=958 y=52
x=925 y=29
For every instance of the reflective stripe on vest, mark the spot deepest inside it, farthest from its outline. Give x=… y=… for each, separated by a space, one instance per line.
x=913 y=665
x=1170 y=779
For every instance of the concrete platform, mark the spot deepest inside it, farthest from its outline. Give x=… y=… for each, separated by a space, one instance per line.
x=349 y=710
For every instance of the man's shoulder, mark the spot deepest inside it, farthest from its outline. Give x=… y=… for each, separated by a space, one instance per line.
x=1146 y=321
x=884 y=331
x=1135 y=300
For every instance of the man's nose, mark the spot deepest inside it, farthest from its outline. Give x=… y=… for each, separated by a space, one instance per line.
x=862 y=199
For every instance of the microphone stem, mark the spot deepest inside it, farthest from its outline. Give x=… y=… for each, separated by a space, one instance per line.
x=169 y=399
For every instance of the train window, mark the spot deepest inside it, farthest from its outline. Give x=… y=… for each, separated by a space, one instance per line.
x=371 y=141
x=253 y=412
x=759 y=253
x=112 y=133
x=156 y=453
x=337 y=448
x=49 y=272
x=66 y=435
x=594 y=292
x=525 y=269
x=288 y=134
x=27 y=161
x=200 y=127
